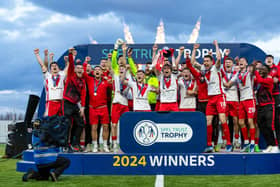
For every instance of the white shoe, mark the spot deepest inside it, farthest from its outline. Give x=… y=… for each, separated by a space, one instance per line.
x=268 y=149
x=88 y=148
x=106 y=149
x=115 y=147
x=223 y=146
x=95 y=149
x=236 y=145
x=274 y=149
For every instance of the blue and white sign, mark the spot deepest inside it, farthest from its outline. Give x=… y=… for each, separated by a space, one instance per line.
x=153 y=132
x=147 y=132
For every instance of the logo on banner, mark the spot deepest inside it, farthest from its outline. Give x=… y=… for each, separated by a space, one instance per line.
x=147 y=132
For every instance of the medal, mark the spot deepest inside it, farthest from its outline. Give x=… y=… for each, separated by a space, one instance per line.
x=96 y=87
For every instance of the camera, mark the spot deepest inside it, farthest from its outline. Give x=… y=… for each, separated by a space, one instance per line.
x=52 y=130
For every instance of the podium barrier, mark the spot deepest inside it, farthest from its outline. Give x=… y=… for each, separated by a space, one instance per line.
x=168 y=163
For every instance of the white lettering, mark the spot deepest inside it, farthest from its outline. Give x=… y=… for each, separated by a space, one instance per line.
x=193 y=160
x=172 y=160
x=204 y=52
x=183 y=160
x=202 y=160
x=155 y=161
x=210 y=160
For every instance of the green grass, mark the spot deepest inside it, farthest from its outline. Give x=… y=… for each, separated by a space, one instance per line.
x=10 y=178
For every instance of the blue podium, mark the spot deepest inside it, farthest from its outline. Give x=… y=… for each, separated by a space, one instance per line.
x=163 y=143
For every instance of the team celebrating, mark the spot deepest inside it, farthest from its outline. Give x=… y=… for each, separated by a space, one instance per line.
x=243 y=99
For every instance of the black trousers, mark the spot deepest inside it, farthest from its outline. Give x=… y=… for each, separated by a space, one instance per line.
x=153 y=106
x=58 y=166
x=265 y=118
x=72 y=111
x=201 y=107
x=88 y=138
x=276 y=116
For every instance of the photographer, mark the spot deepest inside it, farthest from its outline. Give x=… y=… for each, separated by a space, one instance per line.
x=46 y=158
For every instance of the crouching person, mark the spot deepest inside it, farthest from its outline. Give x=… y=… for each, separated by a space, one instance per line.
x=48 y=163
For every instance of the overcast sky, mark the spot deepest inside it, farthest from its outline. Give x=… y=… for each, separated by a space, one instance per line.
x=60 y=24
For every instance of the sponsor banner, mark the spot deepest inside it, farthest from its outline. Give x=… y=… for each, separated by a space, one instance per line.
x=142 y=53
x=167 y=132
x=168 y=164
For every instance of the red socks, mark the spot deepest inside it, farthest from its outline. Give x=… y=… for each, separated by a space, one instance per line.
x=252 y=134
x=257 y=140
x=114 y=138
x=244 y=133
x=226 y=133
x=82 y=143
x=209 y=135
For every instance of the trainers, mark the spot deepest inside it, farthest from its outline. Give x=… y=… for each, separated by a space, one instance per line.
x=105 y=148
x=76 y=148
x=95 y=149
x=209 y=149
x=88 y=148
x=274 y=149
x=28 y=175
x=216 y=148
x=228 y=148
x=252 y=148
x=257 y=149
x=53 y=176
x=223 y=145
x=268 y=149
x=69 y=149
x=115 y=147
x=245 y=148
x=236 y=146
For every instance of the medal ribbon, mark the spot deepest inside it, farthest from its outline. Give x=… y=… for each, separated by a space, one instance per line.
x=141 y=89
x=96 y=87
x=55 y=80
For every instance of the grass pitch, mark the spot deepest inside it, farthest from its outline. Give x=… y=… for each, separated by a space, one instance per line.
x=10 y=178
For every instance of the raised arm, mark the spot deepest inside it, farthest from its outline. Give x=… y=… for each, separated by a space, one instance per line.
x=180 y=53
x=225 y=57
x=71 y=67
x=155 y=48
x=124 y=50
x=109 y=62
x=66 y=65
x=193 y=61
x=218 y=55
x=114 y=65
x=154 y=64
x=46 y=57
x=133 y=67
x=51 y=57
x=193 y=71
x=86 y=62
x=39 y=60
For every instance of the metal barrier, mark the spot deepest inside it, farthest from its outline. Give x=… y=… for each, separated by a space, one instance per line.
x=4 y=130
